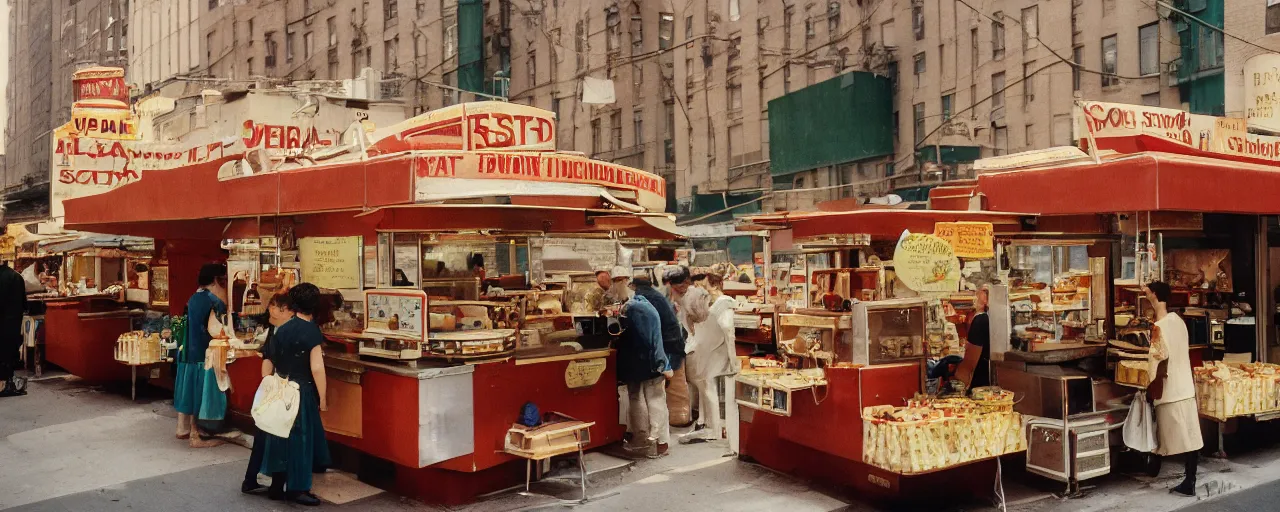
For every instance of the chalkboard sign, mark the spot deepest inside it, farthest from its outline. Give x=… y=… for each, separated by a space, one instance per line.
x=400 y=313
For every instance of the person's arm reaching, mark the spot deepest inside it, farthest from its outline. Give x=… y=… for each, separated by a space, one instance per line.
x=317 y=373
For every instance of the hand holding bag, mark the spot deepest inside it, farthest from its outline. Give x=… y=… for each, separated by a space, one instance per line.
x=276 y=404
x=1140 y=427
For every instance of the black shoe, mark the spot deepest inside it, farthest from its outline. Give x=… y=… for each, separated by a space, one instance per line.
x=305 y=498
x=249 y=487
x=1184 y=489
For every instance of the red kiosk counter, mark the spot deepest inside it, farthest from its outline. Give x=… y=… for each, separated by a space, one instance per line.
x=461 y=228
x=832 y=409
x=101 y=301
x=1179 y=214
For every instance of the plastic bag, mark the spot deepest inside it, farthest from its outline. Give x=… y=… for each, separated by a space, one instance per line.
x=275 y=405
x=1140 y=426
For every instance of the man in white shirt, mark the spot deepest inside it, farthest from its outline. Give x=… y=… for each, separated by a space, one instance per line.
x=1177 y=420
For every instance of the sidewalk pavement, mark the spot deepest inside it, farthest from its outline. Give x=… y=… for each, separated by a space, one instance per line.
x=71 y=447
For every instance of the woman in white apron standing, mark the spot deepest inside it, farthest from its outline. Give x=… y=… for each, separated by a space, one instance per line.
x=714 y=360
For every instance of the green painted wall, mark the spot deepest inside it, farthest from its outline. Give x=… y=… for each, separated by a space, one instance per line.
x=1200 y=79
x=471 y=45
x=844 y=119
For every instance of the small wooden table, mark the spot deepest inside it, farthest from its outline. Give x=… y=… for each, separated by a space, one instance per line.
x=549 y=440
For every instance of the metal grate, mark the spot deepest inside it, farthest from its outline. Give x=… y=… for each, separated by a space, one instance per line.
x=1091 y=442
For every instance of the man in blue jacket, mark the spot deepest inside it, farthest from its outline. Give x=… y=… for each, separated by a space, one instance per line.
x=672 y=332
x=643 y=366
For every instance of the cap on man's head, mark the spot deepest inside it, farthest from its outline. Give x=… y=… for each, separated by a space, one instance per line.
x=620 y=272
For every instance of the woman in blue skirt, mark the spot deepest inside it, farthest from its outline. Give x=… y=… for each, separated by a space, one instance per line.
x=196 y=395
x=294 y=353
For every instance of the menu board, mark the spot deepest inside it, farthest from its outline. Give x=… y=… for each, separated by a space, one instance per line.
x=400 y=312
x=332 y=262
x=974 y=240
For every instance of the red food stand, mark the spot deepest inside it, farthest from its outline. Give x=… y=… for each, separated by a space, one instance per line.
x=445 y=177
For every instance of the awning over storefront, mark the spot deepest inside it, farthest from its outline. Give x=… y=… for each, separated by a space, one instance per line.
x=1147 y=181
x=882 y=224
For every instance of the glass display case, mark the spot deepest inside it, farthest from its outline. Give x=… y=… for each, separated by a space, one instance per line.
x=889 y=331
x=1051 y=296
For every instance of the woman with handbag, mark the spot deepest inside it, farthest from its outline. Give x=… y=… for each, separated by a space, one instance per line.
x=294 y=354
x=278 y=313
x=196 y=394
x=1173 y=390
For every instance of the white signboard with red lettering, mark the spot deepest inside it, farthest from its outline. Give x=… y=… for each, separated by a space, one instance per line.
x=476 y=126
x=1128 y=128
x=441 y=175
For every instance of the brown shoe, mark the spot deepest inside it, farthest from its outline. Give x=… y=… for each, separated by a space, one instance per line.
x=206 y=443
x=660 y=451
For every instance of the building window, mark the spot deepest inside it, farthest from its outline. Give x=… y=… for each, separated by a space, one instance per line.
x=250 y=31
x=973 y=51
x=735 y=146
x=735 y=97
x=419 y=46
x=555 y=108
x=788 y=13
x=997 y=91
x=1149 y=49
x=637 y=125
x=1028 y=84
x=389 y=58
x=917 y=21
x=1077 y=56
x=734 y=54
x=308 y=43
x=269 y=41
x=615 y=129
x=666 y=30
x=919 y=69
x=636 y=35
x=579 y=43
x=1109 y=54
x=917 y=122
x=886 y=34
x=735 y=10
x=392 y=8
x=1210 y=48
x=688 y=27
x=208 y=46
x=533 y=68
x=1030 y=27
x=833 y=20
x=947 y=102
x=595 y=136
x=1151 y=100
x=997 y=37
x=613 y=34
x=1273 y=16
x=332 y=25
x=249 y=66
x=1001 y=142
x=451 y=38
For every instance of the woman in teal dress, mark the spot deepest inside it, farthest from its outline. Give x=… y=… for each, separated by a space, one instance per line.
x=295 y=354
x=196 y=395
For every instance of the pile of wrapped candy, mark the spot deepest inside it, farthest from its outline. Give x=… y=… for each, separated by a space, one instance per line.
x=1225 y=390
x=936 y=434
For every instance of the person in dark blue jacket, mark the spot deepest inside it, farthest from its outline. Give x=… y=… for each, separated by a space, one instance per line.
x=672 y=333
x=644 y=368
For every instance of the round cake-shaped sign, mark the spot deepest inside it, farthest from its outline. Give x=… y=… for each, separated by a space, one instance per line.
x=926 y=263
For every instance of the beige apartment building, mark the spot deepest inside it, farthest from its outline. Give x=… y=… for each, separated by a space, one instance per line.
x=413 y=43
x=1254 y=29
x=692 y=79
x=48 y=41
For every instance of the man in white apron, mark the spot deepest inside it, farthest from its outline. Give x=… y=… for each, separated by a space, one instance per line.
x=1177 y=421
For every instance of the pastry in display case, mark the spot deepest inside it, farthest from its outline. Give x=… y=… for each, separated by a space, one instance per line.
x=889 y=331
x=395 y=324
x=466 y=329
x=1051 y=297
x=770 y=388
x=810 y=337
